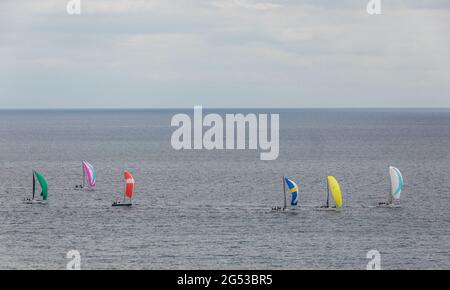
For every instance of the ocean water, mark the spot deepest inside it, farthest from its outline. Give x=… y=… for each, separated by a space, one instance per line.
x=211 y=209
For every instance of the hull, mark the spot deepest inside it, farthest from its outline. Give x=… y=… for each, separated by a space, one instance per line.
x=121 y=204
x=34 y=202
x=387 y=206
x=83 y=189
x=327 y=208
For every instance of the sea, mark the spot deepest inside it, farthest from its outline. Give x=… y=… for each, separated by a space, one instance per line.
x=211 y=209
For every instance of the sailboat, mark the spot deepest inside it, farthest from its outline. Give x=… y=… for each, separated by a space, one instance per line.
x=333 y=190
x=89 y=176
x=129 y=190
x=396 y=187
x=293 y=188
x=44 y=189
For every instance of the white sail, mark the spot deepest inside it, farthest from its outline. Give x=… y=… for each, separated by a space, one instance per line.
x=396 y=182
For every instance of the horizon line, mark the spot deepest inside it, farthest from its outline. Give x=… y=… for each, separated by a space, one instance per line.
x=218 y=108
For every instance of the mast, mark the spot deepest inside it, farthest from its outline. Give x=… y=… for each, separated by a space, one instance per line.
x=389 y=197
x=84 y=173
x=34 y=184
x=390 y=189
x=328 y=194
x=284 y=192
x=125 y=191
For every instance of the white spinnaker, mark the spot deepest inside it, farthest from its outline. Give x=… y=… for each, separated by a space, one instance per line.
x=396 y=182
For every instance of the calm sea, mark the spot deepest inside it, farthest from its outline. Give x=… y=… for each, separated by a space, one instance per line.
x=211 y=209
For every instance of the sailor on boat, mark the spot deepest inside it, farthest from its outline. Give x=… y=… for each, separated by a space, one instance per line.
x=278 y=208
x=116 y=202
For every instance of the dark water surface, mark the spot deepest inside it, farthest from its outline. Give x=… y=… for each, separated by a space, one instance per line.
x=211 y=209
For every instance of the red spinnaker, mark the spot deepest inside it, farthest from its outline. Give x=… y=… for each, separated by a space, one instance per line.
x=129 y=188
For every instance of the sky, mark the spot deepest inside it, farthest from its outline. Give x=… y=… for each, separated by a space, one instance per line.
x=224 y=53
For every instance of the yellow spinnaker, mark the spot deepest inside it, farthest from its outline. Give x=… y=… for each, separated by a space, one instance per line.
x=335 y=190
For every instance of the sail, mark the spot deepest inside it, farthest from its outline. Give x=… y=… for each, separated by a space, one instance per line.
x=43 y=183
x=396 y=182
x=335 y=190
x=293 y=189
x=89 y=172
x=129 y=187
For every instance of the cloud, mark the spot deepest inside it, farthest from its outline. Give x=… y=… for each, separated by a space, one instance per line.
x=224 y=53
x=248 y=4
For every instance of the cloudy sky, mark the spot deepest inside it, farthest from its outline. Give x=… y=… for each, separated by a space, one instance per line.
x=224 y=53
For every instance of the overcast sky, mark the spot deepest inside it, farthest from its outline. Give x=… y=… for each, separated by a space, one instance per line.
x=224 y=53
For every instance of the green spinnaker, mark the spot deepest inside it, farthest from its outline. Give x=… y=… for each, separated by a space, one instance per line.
x=43 y=184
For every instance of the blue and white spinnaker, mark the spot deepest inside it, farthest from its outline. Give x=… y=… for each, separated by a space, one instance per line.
x=293 y=188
